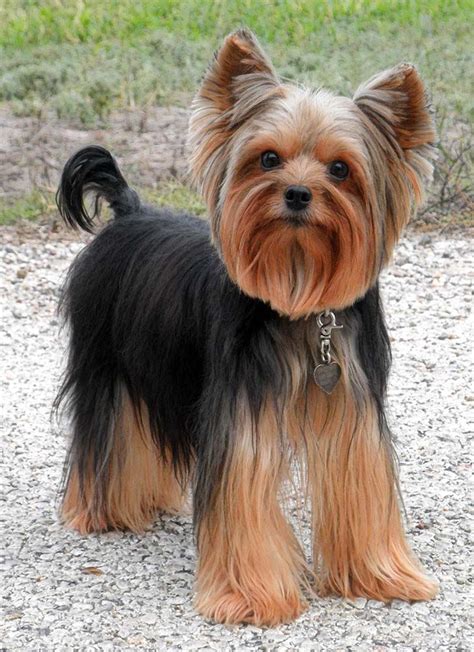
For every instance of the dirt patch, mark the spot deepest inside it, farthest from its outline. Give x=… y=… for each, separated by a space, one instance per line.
x=33 y=152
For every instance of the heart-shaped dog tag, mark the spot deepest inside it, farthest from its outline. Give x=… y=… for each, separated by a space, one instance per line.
x=326 y=376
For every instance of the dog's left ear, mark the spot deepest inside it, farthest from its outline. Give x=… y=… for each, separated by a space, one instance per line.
x=239 y=82
x=396 y=103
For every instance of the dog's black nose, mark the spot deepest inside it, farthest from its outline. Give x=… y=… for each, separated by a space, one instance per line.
x=297 y=197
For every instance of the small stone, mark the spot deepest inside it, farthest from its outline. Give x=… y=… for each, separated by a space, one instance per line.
x=149 y=618
x=421 y=608
x=375 y=604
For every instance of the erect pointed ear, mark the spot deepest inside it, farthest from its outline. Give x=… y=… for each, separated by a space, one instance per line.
x=396 y=103
x=239 y=55
x=239 y=83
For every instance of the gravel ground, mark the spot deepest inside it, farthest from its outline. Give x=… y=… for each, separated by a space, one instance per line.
x=61 y=590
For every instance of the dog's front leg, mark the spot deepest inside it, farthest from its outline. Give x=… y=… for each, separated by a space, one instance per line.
x=251 y=567
x=360 y=548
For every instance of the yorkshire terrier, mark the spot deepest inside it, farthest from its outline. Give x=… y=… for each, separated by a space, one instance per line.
x=220 y=355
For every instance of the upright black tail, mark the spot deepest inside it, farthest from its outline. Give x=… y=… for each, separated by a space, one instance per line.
x=93 y=169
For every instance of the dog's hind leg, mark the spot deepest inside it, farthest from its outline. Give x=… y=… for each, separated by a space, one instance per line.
x=122 y=485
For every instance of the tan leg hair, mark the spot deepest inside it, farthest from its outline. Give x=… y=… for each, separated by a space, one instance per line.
x=251 y=567
x=360 y=547
x=139 y=482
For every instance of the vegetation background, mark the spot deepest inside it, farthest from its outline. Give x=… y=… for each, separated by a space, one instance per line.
x=80 y=62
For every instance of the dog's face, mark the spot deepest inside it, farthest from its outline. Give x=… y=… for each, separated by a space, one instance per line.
x=307 y=192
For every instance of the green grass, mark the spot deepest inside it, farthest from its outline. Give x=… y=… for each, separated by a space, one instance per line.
x=170 y=192
x=83 y=59
x=26 y=22
x=30 y=207
x=174 y=193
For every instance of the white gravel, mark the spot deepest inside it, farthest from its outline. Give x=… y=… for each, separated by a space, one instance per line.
x=142 y=596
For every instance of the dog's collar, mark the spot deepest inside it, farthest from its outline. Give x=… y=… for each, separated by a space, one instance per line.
x=326 y=374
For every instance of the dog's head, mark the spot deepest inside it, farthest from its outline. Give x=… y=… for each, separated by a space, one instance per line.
x=307 y=191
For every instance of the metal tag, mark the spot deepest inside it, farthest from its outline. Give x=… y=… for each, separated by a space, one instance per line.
x=326 y=376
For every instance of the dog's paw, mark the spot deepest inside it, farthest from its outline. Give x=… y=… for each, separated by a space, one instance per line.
x=235 y=608
x=410 y=586
x=85 y=523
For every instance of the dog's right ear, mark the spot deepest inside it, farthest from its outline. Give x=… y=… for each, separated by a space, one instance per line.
x=239 y=83
x=240 y=55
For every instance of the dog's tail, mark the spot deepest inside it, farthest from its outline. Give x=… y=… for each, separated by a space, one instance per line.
x=93 y=170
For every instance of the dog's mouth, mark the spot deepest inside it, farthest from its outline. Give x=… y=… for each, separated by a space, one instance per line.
x=296 y=220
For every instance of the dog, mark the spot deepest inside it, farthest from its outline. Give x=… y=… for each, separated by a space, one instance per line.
x=215 y=355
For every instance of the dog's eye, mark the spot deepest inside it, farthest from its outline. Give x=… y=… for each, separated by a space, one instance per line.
x=339 y=170
x=270 y=160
